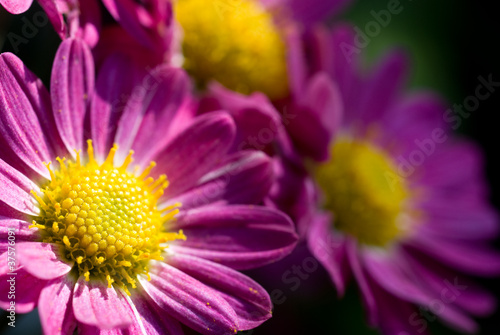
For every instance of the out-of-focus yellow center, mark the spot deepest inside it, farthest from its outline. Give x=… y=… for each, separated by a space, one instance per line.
x=234 y=42
x=105 y=218
x=362 y=188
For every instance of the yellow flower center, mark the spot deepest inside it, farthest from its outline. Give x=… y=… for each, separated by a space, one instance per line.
x=363 y=190
x=236 y=43
x=105 y=218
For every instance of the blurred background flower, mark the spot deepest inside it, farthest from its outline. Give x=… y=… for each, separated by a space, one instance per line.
x=451 y=44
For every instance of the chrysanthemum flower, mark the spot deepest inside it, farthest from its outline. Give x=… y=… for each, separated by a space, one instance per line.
x=103 y=240
x=404 y=205
x=217 y=43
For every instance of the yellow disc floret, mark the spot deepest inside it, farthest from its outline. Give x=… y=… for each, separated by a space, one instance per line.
x=234 y=42
x=363 y=190
x=105 y=218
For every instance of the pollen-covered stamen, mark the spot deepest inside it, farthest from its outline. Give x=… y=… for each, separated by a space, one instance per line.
x=364 y=191
x=105 y=217
x=236 y=43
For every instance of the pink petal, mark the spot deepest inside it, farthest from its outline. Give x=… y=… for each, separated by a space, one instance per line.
x=362 y=280
x=296 y=61
x=89 y=20
x=190 y=301
x=115 y=81
x=71 y=85
x=244 y=178
x=152 y=108
x=27 y=288
x=97 y=305
x=54 y=305
x=310 y=12
x=147 y=319
x=195 y=151
x=42 y=260
x=15 y=191
x=257 y=121
x=155 y=321
x=25 y=119
x=55 y=16
x=249 y=300
x=397 y=317
x=383 y=86
x=238 y=236
x=330 y=250
x=16 y=6
x=17 y=228
x=394 y=278
x=450 y=286
x=473 y=258
x=318 y=114
x=345 y=66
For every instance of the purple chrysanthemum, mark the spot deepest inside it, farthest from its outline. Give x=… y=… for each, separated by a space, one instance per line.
x=100 y=245
x=404 y=205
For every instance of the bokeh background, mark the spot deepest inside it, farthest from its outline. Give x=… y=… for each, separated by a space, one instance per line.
x=451 y=43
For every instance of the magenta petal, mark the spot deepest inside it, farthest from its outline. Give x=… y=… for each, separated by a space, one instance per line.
x=190 y=301
x=242 y=237
x=126 y=12
x=451 y=287
x=27 y=287
x=345 y=64
x=18 y=228
x=154 y=320
x=115 y=81
x=468 y=257
x=257 y=121
x=312 y=11
x=330 y=250
x=154 y=104
x=97 y=305
x=147 y=319
x=15 y=191
x=395 y=278
x=54 y=305
x=89 y=22
x=25 y=116
x=42 y=260
x=244 y=178
x=446 y=219
x=318 y=115
x=249 y=300
x=438 y=172
x=396 y=316
x=55 y=16
x=71 y=85
x=16 y=6
x=383 y=86
x=362 y=280
x=195 y=151
x=414 y=115
x=296 y=61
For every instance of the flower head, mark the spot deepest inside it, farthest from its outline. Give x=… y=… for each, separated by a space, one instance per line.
x=392 y=209
x=217 y=43
x=104 y=239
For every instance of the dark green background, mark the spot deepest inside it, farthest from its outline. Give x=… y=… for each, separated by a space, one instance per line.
x=451 y=43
